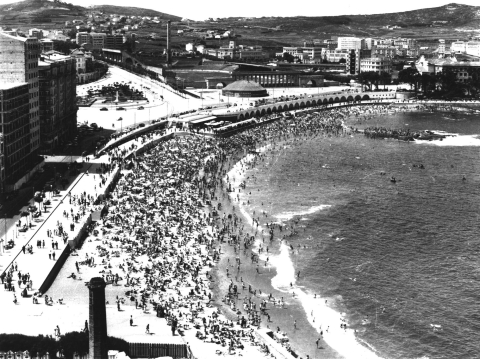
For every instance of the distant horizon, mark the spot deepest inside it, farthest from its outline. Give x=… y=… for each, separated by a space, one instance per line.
x=253 y=8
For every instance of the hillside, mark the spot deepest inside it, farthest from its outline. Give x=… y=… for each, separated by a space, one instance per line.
x=37 y=11
x=133 y=11
x=44 y=11
x=448 y=21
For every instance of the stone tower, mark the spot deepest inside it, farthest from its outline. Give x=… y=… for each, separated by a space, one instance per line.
x=169 y=51
x=97 y=334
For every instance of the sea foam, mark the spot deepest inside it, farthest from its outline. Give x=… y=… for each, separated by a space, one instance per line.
x=285 y=216
x=454 y=140
x=320 y=316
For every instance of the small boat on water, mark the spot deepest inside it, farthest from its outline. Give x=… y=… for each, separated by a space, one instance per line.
x=393 y=180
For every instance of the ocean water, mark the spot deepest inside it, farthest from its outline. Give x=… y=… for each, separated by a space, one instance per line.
x=400 y=260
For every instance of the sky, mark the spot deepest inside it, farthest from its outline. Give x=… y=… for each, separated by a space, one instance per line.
x=203 y=9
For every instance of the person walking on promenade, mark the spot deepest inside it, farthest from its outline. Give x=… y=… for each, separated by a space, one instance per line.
x=53 y=255
x=131 y=321
x=147 y=331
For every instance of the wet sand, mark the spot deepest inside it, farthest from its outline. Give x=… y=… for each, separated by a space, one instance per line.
x=302 y=338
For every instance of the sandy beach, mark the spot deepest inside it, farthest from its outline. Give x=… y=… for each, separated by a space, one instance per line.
x=278 y=278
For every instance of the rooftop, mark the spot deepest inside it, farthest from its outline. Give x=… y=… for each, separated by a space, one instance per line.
x=243 y=85
x=8 y=86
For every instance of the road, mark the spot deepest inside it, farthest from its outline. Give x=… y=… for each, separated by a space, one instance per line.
x=171 y=103
x=156 y=107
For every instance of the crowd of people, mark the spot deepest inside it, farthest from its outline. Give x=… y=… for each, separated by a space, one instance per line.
x=161 y=239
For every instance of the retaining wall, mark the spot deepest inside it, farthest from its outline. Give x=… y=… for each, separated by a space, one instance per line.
x=155 y=350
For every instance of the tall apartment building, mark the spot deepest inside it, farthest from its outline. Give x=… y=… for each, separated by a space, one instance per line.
x=94 y=40
x=114 y=41
x=15 y=134
x=97 y=40
x=38 y=33
x=19 y=64
x=353 y=60
x=349 y=43
x=58 y=109
x=82 y=38
x=369 y=43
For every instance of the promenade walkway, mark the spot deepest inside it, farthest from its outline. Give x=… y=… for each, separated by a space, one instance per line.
x=30 y=319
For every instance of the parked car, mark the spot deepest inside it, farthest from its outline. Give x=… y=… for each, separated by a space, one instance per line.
x=121 y=109
x=140 y=108
x=104 y=109
x=93 y=125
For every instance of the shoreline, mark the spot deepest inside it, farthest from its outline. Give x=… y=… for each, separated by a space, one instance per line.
x=281 y=274
x=284 y=316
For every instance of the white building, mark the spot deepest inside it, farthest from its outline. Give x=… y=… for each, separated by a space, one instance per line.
x=304 y=52
x=473 y=48
x=335 y=55
x=458 y=47
x=376 y=64
x=350 y=43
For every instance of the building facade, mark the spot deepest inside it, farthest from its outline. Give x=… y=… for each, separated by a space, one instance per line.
x=465 y=71
x=233 y=52
x=19 y=64
x=335 y=55
x=114 y=41
x=46 y=45
x=376 y=64
x=15 y=134
x=82 y=38
x=473 y=48
x=349 y=43
x=58 y=109
x=458 y=47
x=38 y=33
x=304 y=53
x=97 y=40
x=280 y=78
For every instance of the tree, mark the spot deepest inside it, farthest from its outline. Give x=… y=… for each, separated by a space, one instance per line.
x=364 y=79
x=72 y=33
x=375 y=78
x=368 y=79
x=64 y=47
x=38 y=199
x=385 y=78
x=447 y=81
x=409 y=76
x=288 y=57
x=428 y=82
